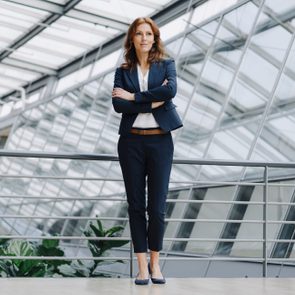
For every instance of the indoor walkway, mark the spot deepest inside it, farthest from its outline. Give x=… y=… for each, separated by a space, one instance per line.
x=174 y=286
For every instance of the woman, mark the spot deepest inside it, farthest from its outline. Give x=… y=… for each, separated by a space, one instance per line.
x=143 y=90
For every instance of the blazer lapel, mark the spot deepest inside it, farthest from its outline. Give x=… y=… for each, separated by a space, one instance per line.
x=134 y=79
x=133 y=76
x=152 y=75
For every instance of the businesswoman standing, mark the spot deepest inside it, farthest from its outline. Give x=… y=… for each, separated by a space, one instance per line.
x=144 y=87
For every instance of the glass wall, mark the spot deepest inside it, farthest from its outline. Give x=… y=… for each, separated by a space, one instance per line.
x=236 y=99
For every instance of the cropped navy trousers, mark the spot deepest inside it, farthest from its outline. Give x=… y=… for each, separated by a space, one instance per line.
x=146 y=159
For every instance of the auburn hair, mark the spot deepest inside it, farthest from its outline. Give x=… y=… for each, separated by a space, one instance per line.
x=157 y=52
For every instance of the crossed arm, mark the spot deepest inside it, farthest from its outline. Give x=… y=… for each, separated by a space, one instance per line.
x=144 y=101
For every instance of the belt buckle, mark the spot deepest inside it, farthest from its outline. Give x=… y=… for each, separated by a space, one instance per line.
x=144 y=132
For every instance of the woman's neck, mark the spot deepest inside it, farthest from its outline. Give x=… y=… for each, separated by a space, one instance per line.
x=143 y=60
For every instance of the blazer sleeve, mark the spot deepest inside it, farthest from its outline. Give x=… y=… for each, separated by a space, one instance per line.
x=163 y=92
x=125 y=106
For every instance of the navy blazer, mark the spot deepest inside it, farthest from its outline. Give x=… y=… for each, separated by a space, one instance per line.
x=165 y=115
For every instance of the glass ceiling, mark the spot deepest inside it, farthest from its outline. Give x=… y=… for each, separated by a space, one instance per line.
x=219 y=90
x=39 y=37
x=235 y=88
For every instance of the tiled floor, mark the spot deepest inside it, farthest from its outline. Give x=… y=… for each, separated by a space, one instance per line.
x=174 y=286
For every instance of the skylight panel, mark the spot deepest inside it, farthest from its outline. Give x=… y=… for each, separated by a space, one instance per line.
x=17 y=19
x=174 y=27
x=79 y=32
x=280 y=6
x=284 y=126
x=273 y=41
x=63 y=2
x=17 y=73
x=245 y=97
x=123 y=11
x=38 y=58
x=263 y=73
x=210 y=8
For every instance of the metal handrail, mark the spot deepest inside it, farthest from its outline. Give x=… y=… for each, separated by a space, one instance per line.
x=109 y=157
x=166 y=219
x=106 y=157
x=124 y=199
x=19 y=237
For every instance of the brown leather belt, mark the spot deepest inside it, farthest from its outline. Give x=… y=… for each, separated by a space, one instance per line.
x=147 y=131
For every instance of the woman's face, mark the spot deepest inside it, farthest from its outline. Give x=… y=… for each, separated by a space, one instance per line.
x=144 y=38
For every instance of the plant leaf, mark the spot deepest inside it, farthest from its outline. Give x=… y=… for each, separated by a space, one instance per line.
x=97 y=231
x=43 y=251
x=99 y=224
x=20 y=248
x=110 y=232
x=50 y=243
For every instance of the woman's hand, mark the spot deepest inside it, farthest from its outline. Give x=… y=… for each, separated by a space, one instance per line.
x=165 y=82
x=157 y=104
x=120 y=92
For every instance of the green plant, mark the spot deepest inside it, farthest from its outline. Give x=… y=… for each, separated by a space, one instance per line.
x=98 y=248
x=50 y=247
x=29 y=267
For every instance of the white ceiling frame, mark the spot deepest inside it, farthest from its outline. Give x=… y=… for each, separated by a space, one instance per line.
x=23 y=11
x=51 y=18
x=147 y=4
x=71 y=12
x=74 y=13
x=66 y=40
x=13 y=26
x=5 y=86
x=24 y=71
x=40 y=5
x=75 y=25
x=12 y=78
x=28 y=66
x=46 y=51
x=30 y=22
x=10 y=84
x=99 y=19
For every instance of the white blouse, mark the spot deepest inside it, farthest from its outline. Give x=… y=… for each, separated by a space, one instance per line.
x=144 y=120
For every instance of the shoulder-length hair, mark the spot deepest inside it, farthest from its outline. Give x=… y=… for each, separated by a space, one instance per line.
x=157 y=52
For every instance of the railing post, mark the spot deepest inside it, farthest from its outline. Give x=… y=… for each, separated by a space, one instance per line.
x=265 y=218
x=131 y=259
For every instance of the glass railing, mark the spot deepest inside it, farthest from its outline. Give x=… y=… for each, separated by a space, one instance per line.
x=246 y=220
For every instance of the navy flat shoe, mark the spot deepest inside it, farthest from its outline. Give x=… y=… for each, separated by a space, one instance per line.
x=156 y=280
x=141 y=281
